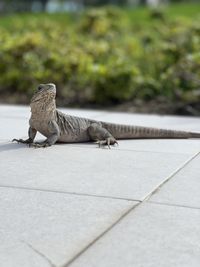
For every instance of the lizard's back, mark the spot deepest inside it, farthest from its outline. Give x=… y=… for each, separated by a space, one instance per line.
x=72 y=128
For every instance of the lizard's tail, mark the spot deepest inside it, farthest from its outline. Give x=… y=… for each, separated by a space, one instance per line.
x=139 y=132
x=194 y=135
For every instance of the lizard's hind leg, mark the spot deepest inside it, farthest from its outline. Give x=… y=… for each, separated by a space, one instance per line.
x=101 y=135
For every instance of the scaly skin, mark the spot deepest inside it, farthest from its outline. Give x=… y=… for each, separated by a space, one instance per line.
x=59 y=127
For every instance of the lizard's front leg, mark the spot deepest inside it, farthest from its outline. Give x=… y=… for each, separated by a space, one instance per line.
x=54 y=134
x=31 y=134
x=101 y=135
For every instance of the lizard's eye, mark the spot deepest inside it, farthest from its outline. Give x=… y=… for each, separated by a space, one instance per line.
x=40 y=87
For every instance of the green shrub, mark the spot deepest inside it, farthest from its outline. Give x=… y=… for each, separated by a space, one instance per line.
x=101 y=56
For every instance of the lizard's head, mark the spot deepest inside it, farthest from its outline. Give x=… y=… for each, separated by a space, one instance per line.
x=44 y=98
x=46 y=87
x=44 y=91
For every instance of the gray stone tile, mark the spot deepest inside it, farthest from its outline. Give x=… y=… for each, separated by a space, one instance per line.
x=14 y=111
x=84 y=113
x=150 y=236
x=38 y=227
x=183 y=146
x=106 y=172
x=14 y=128
x=15 y=253
x=183 y=188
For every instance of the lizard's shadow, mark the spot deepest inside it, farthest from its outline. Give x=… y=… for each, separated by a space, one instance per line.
x=11 y=146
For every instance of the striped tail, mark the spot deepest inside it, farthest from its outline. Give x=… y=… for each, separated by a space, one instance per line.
x=194 y=135
x=138 y=132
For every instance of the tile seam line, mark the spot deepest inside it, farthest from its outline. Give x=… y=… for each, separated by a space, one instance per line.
x=173 y=205
x=42 y=255
x=73 y=259
x=67 y=193
x=159 y=186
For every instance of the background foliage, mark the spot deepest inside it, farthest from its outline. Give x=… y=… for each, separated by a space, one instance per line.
x=103 y=56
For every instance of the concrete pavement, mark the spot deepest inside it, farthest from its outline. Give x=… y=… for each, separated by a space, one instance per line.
x=137 y=204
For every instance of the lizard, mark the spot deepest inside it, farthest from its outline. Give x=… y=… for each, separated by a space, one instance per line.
x=59 y=127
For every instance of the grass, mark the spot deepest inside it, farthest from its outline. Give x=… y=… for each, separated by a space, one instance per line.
x=140 y=15
x=185 y=10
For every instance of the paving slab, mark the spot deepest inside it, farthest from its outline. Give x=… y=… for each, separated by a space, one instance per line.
x=13 y=128
x=105 y=172
x=84 y=113
x=55 y=202
x=151 y=235
x=16 y=253
x=183 y=189
x=190 y=146
x=14 y=111
x=183 y=146
x=39 y=229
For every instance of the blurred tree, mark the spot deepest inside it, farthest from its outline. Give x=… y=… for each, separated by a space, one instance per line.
x=153 y=2
x=21 y=5
x=104 y=2
x=12 y=5
x=43 y=4
x=143 y=2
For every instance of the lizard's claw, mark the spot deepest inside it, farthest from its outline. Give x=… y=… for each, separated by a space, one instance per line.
x=22 y=141
x=38 y=145
x=107 y=142
x=16 y=140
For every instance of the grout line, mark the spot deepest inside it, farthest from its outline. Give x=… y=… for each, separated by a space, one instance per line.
x=100 y=236
x=173 y=205
x=129 y=211
x=68 y=193
x=157 y=188
x=39 y=253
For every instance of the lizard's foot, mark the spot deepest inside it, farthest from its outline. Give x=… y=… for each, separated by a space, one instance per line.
x=27 y=141
x=107 y=142
x=40 y=144
x=101 y=135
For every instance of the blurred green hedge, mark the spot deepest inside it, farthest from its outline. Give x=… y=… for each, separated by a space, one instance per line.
x=101 y=57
